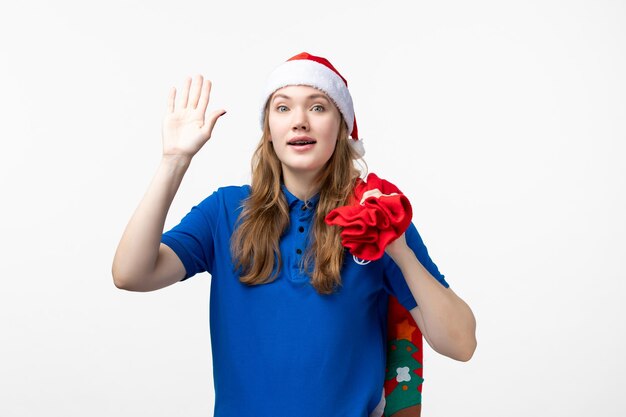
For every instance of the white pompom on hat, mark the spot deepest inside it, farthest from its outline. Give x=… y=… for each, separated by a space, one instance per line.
x=318 y=72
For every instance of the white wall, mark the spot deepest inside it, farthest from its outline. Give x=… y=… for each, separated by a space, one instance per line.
x=502 y=121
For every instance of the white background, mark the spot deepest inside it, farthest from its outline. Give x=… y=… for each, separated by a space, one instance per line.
x=503 y=122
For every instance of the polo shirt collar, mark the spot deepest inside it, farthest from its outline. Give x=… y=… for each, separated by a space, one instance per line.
x=292 y=200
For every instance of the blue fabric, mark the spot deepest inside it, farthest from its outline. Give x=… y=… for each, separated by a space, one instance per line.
x=282 y=349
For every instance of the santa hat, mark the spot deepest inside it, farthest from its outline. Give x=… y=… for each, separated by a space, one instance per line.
x=318 y=72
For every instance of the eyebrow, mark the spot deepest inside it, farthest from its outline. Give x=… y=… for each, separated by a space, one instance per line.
x=312 y=96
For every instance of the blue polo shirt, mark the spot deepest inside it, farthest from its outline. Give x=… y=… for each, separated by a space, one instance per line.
x=282 y=349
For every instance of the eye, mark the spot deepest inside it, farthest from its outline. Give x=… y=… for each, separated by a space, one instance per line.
x=318 y=107
x=281 y=109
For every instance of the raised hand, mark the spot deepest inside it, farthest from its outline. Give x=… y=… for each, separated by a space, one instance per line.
x=186 y=128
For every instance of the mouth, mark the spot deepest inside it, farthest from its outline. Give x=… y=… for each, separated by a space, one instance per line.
x=301 y=141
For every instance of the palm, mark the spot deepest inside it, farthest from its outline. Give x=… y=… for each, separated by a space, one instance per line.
x=185 y=125
x=182 y=131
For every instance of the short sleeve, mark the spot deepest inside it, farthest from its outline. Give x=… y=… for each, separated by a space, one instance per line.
x=193 y=238
x=394 y=281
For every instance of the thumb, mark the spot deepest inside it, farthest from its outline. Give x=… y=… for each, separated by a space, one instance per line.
x=210 y=121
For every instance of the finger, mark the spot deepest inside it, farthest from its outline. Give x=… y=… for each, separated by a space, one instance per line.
x=195 y=91
x=171 y=99
x=185 y=94
x=204 y=97
x=207 y=129
x=370 y=193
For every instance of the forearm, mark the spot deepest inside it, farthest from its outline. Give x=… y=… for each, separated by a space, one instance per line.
x=138 y=249
x=448 y=320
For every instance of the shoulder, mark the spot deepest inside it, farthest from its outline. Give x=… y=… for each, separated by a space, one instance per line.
x=229 y=195
x=233 y=192
x=225 y=201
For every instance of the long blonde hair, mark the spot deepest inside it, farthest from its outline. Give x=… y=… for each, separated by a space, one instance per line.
x=265 y=217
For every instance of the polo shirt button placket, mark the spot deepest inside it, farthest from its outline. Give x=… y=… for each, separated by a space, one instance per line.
x=303 y=218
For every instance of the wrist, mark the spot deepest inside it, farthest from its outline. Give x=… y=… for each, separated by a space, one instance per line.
x=399 y=251
x=176 y=160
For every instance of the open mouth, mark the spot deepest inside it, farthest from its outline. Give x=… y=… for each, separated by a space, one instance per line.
x=301 y=142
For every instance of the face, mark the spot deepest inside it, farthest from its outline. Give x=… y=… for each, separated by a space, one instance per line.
x=304 y=124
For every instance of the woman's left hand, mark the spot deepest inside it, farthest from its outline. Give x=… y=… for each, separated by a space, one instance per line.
x=374 y=192
x=394 y=248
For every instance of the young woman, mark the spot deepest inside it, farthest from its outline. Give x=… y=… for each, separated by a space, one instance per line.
x=298 y=324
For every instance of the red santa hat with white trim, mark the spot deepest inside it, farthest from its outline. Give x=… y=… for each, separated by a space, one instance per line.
x=318 y=72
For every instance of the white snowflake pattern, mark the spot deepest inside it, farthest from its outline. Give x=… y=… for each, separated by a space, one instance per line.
x=403 y=374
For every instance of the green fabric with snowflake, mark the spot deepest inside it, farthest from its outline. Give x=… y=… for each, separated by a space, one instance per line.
x=400 y=366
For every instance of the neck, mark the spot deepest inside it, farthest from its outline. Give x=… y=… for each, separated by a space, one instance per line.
x=302 y=185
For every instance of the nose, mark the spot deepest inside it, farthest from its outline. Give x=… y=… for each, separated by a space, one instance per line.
x=300 y=120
